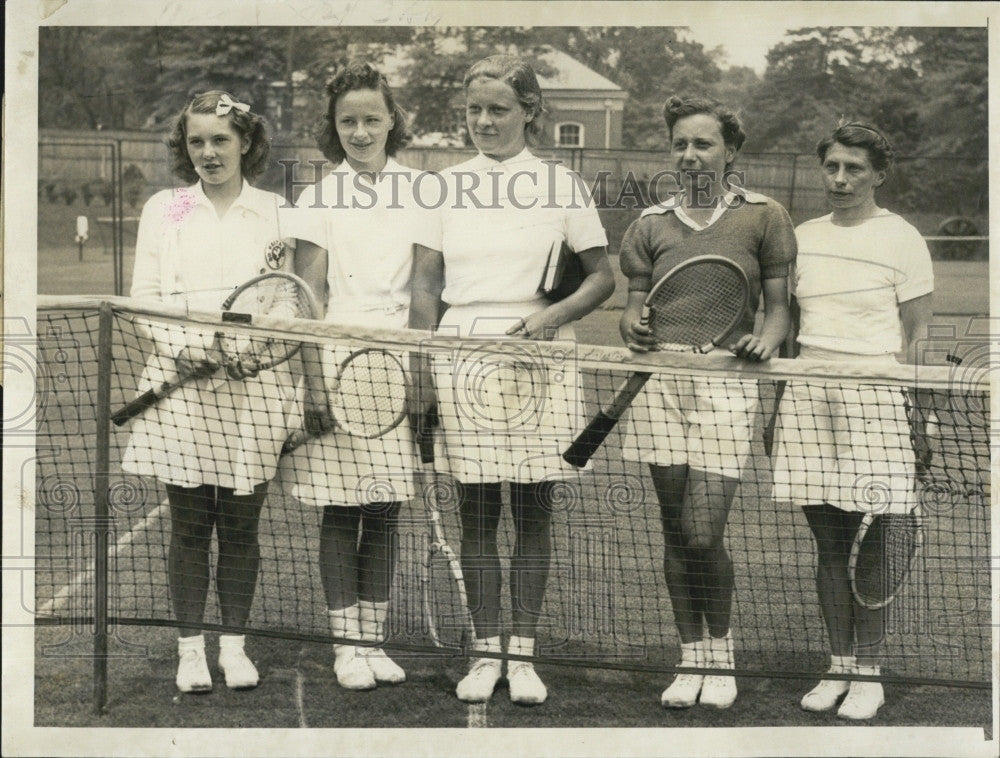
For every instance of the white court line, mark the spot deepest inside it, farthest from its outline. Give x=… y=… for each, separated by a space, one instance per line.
x=476 y=718
x=300 y=690
x=81 y=577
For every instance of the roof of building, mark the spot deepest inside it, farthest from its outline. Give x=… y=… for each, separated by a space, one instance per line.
x=569 y=73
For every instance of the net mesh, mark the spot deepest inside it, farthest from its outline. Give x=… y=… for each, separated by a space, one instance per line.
x=606 y=601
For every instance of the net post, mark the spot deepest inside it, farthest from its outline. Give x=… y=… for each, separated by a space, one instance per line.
x=101 y=511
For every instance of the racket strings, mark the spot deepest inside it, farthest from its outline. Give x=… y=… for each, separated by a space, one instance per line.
x=697 y=305
x=369 y=398
x=884 y=556
x=273 y=296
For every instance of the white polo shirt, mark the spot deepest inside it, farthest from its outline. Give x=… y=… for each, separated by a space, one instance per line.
x=368 y=229
x=850 y=280
x=499 y=221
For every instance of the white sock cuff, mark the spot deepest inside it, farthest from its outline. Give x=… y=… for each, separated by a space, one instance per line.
x=521 y=645
x=842 y=664
x=864 y=670
x=692 y=653
x=231 y=641
x=488 y=644
x=345 y=622
x=197 y=642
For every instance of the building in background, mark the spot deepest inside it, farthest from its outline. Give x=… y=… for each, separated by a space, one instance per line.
x=585 y=109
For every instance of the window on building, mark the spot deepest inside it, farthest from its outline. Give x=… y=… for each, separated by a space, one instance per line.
x=569 y=135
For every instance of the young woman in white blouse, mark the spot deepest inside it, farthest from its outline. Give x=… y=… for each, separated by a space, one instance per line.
x=214 y=442
x=501 y=213
x=863 y=286
x=355 y=233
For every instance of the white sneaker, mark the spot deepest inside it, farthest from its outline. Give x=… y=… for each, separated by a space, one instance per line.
x=525 y=686
x=718 y=691
x=382 y=666
x=824 y=695
x=352 y=672
x=192 y=671
x=240 y=672
x=862 y=702
x=682 y=692
x=477 y=686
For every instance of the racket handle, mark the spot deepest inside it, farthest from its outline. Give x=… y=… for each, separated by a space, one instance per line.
x=425 y=435
x=593 y=436
x=147 y=399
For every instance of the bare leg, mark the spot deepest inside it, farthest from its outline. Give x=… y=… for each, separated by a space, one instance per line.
x=670 y=483
x=192 y=516
x=479 y=508
x=239 y=552
x=532 y=512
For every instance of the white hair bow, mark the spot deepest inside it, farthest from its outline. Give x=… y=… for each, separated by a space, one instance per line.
x=226 y=104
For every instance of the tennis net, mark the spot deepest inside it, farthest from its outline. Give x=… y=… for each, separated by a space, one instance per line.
x=606 y=604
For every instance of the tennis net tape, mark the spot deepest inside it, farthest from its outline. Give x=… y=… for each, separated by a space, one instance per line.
x=606 y=602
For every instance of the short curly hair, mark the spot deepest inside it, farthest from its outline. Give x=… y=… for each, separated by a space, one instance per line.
x=678 y=107
x=520 y=76
x=248 y=125
x=354 y=76
x=860 y=134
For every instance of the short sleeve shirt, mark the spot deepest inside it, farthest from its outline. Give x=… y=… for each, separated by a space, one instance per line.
x=499 y=221
x=850 y=280
x=368 y=226
x=753 y=230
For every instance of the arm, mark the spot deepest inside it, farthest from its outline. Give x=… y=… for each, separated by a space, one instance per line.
x=594 y=290
x=775 y=327
x=915 y=316
x=427 y=284
x=311 y=262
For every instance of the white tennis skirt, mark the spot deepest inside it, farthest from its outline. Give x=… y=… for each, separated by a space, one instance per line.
x=510 y=417
x=846 y=445
x=229 y=436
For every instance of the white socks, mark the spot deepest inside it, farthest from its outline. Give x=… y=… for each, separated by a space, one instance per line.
x=352 y=672
x=526 y=688
x=372 y=619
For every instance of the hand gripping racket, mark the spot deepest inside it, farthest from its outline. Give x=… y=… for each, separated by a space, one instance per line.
x=882 y=555
x=244 y=354
x=460 y=620
x=691 y=309
x=367 y=398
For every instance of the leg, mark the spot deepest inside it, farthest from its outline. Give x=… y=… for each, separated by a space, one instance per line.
x=236 y=578
x=479 y=508
x=531 y=508
x=239 y=553
x=338 y=567
x=670 y=482
x=338 y=555
x=532 y=512
x=703 y=524
x=833 y=531
x=704 y=517
x=376 y=567
x=192 y=516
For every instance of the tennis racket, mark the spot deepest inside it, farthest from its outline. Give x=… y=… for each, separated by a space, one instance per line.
x=692 y=308
x=440 y=605
x=882 y=556
x=243 y=354
x=367 y=398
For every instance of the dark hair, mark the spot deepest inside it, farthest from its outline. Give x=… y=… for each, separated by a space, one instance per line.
x=248 y=125
x=520 y=76
x=860 y=134
x=354 y=76
x=677 y=108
